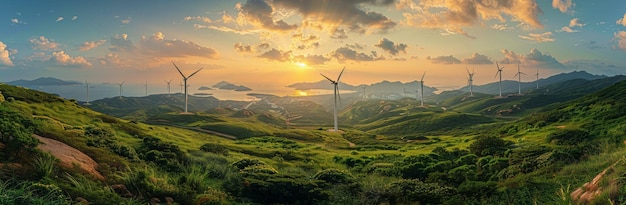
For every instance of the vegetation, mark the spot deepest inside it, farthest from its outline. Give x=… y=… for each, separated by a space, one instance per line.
x=391 y=152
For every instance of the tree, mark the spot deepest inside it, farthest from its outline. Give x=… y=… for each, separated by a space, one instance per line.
x=489 y=145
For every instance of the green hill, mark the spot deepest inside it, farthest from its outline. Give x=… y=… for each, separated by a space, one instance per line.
x=390 y=152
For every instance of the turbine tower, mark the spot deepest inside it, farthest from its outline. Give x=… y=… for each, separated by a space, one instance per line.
x=422 y=89
x=168 y=85
x=336 y=95
x=500 y=73
x=120 y=84
x=87 y=86
x=146 y=85
x=364 y=92
x=470 y=80
x=537 y=78
x=185 y=78
x=519 y=80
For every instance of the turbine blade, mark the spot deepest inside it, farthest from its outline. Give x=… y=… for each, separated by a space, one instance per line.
x=122 y=83
x=344 y=68
x=467 y=70
x=332 y=81
x=423 y=76
x=495 y=76
x=178 y=69
x=194 y=73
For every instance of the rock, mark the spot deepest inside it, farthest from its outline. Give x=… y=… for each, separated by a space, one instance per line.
x=155 y=201
x=169 y=200
x=81 y=200
x=121 y=190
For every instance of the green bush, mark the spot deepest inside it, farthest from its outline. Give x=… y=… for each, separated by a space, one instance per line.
x=215 y=148
x=413 y=190
x=569 y=136
x=489 y=145
x=334 y=176
x=276 y=188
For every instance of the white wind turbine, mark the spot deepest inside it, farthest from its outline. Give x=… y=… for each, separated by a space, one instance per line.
x=120 y=84
x=470 y=80
x=87 y=86
x=146 y=85
x=537 y=78
x=499 y=72
x=185 y=78
x=168 y=86
x=519 y=80
x=336 y=95
x=422 y=89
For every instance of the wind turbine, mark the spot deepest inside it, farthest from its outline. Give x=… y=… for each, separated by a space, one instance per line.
x=422 y=89
x=336 y=95
x=146 y=85
x=519 y=80
x=537 y=78
x=87 y=86
x=499 y=72
x=470 y=80
x=185 y=78
x=363 y=92
x=168 y=85
x=120 y=84
x=181 y=86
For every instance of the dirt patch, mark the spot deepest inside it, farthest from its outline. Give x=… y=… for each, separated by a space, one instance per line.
x=69 y=156
x=590 y=190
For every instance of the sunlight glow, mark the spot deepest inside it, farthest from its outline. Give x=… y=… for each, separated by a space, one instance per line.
x=302 y=93
x=302 y=65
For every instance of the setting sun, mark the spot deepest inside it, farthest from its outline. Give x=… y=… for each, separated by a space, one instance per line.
x=302 y=65
x=302 y=93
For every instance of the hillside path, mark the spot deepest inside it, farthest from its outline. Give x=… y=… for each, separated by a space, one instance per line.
x=69 y=156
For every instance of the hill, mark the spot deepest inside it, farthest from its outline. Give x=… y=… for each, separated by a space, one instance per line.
x=47 y=81
x=393 y=152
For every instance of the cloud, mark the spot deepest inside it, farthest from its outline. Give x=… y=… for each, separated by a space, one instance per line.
x=575 y=22
x=501 y=27
x=538 y=37
x=620 y=37
x=351 y=14
x=444 y=60
x=277 y=55
x=62 y=58
x=120 y=42
x=452 y=15
x=622 y=21
x=259 y=13
x=312 y=59
x=300 y=41
x=15 y=21
x=356 y=46
x=593 y=66
x=591 y=44
x=345 y=53
x=126 y=21
x=563 y=5
x=199 y=18
x=90 y=45
x=240 y=48
x=5 y=58
x=60 y=18
x=74 y=18
x=44 y=44
x=391 y=47
x=534 y=57
x=157 y=46
x=112 y=59
x=338 y=33
x=477 y=59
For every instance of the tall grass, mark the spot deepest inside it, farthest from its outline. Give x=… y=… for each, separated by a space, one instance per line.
x=44 y=165
x=12 y=192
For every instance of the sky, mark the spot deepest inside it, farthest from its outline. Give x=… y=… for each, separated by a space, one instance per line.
x=279 y=42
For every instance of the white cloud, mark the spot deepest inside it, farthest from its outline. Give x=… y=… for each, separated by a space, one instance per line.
x=60 y=18
x=538 y=37
x=622 y=21
x=126 y=21
x=74 y=18
x=44 y=44
x=15 y=21
x=534 y=57
x=620 y=37
x=563 y=5
x=62 y=58
x=91 y=44
x=5 y=58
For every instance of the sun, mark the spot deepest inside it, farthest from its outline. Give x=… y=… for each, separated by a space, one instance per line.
x=302 y=93
x=301 y=64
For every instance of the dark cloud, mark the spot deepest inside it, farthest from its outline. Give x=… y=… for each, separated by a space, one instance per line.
x=355 y=46
x=277 y=55
x=534 y=57
x=391 y=47
x=345 y=53
x=477 y=58
x=157 y=46
x=348 y=13
x=260 y=13
x=444 y=60
x=301 y=41
x=120 y=42
x=312 y=59
x=338 y=33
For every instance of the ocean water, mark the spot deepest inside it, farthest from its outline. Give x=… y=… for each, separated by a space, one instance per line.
x=101 y=91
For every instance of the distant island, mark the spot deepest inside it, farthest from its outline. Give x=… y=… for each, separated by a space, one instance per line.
x=48 y=81
x=204 y=88
x=223 y=85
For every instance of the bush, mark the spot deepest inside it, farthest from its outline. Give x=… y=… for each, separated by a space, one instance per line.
x=413 y=190
x=276 y=188
x=334 y=176
x=489 y=145
x=569 y=136
x=241 y=164
x=215 y=148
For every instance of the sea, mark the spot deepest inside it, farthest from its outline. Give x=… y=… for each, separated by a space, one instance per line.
x=106 y=90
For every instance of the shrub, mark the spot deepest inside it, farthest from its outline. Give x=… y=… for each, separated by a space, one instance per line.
x=276 y=188
x=569 y=136
x=334 y=176
x=414 y=190
x=489 y=145
x=215 y=148
x=241 y=164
